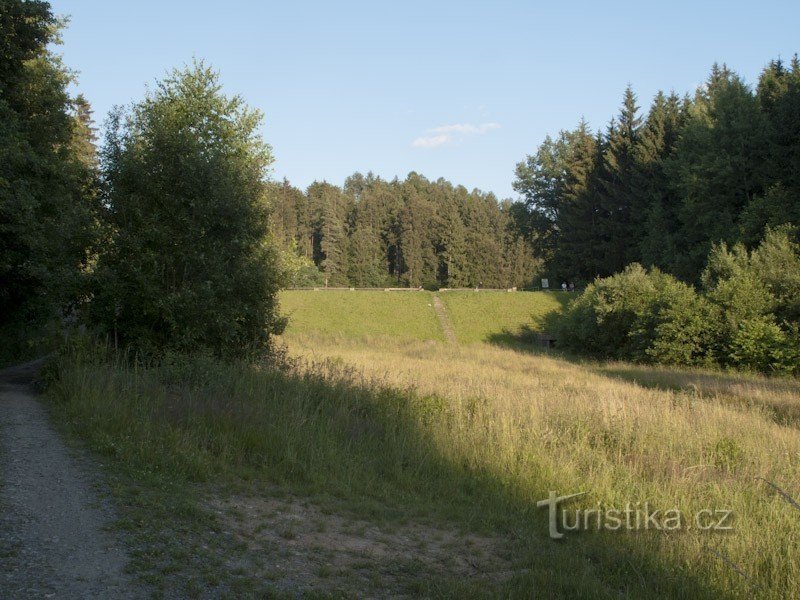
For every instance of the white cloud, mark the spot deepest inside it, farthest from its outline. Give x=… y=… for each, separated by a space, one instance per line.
x=466 y=128
x=431 y=141
x=445 y=134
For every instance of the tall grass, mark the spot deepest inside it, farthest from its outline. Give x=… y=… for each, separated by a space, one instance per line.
x=547 y=423
x=474 y=435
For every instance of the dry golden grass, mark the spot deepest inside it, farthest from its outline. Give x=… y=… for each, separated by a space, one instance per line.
x=424 y=436
x=778 y=396
x=538 y=423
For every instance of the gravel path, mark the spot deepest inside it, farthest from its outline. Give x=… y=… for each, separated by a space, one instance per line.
x=54 y=536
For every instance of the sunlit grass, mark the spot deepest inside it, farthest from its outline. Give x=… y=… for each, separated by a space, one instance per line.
x=476 y=435
x=500 y=317
x=401 y=315
x=541 y=423
x=777 y=397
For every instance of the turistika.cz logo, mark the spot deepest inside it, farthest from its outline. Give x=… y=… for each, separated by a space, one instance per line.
x=634 y=517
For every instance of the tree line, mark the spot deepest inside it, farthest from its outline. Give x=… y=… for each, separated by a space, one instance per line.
x=658 y=189
x=413 y=232
x=159 y=241
x=171 y=236
x=661 y=188
x=48 y=176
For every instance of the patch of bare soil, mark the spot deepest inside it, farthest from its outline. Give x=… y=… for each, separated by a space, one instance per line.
x=303 y=547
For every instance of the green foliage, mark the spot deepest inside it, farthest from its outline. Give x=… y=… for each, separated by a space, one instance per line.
x=415 y=232
x=25 y=29
x=47 y=170
x=366 y=261
x=759 y=344
x=188 y=265
x=723 y=166
x=541 y=180
x=746 y=318
x=331 y=208
x=637 y=315
x=559 y=214
x=684 y=332
x=777 y=263
x=621 y=203
x=718 y=166
x=298 y=270
x=757 y=296
x=740 y=298
x=659 y=223
x=778 y=206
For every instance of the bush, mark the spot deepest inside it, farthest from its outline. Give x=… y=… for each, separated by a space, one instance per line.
x=776 y=261
x=759 y=344
x=638 y=315
x=685 y=332
x=297 y=270
x=747 y=318
x=756 y=295
x=741 y=298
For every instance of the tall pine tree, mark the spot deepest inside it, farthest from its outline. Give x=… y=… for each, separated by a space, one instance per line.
x=719 y=166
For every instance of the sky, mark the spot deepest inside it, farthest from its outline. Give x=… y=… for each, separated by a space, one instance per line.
x=455 y=89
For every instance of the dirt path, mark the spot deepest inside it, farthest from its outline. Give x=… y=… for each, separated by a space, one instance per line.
x=438 y=306
x=54 y=537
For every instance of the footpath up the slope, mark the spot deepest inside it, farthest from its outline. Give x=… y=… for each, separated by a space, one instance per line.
x=447 y=328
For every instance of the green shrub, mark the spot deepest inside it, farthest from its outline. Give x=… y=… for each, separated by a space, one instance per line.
x=685 y=332
x=747 y=317
x=297 y=270
x=776 y=261
x=757 y=296
x=638 y=315
x=759 y=344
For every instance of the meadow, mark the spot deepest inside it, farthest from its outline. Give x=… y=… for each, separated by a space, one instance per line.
x=502 y=317
x=400 y=315
x=374 y=464
x=485 y=316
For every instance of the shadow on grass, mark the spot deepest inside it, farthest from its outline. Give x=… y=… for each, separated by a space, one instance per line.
x=536 y=337
x=377 y=450
x=778 y=398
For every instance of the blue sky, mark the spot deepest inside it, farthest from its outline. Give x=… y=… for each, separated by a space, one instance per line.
x=455 y=89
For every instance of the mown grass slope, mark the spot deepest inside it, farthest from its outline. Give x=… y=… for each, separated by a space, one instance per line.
x=500 y=317
x=359 y=314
